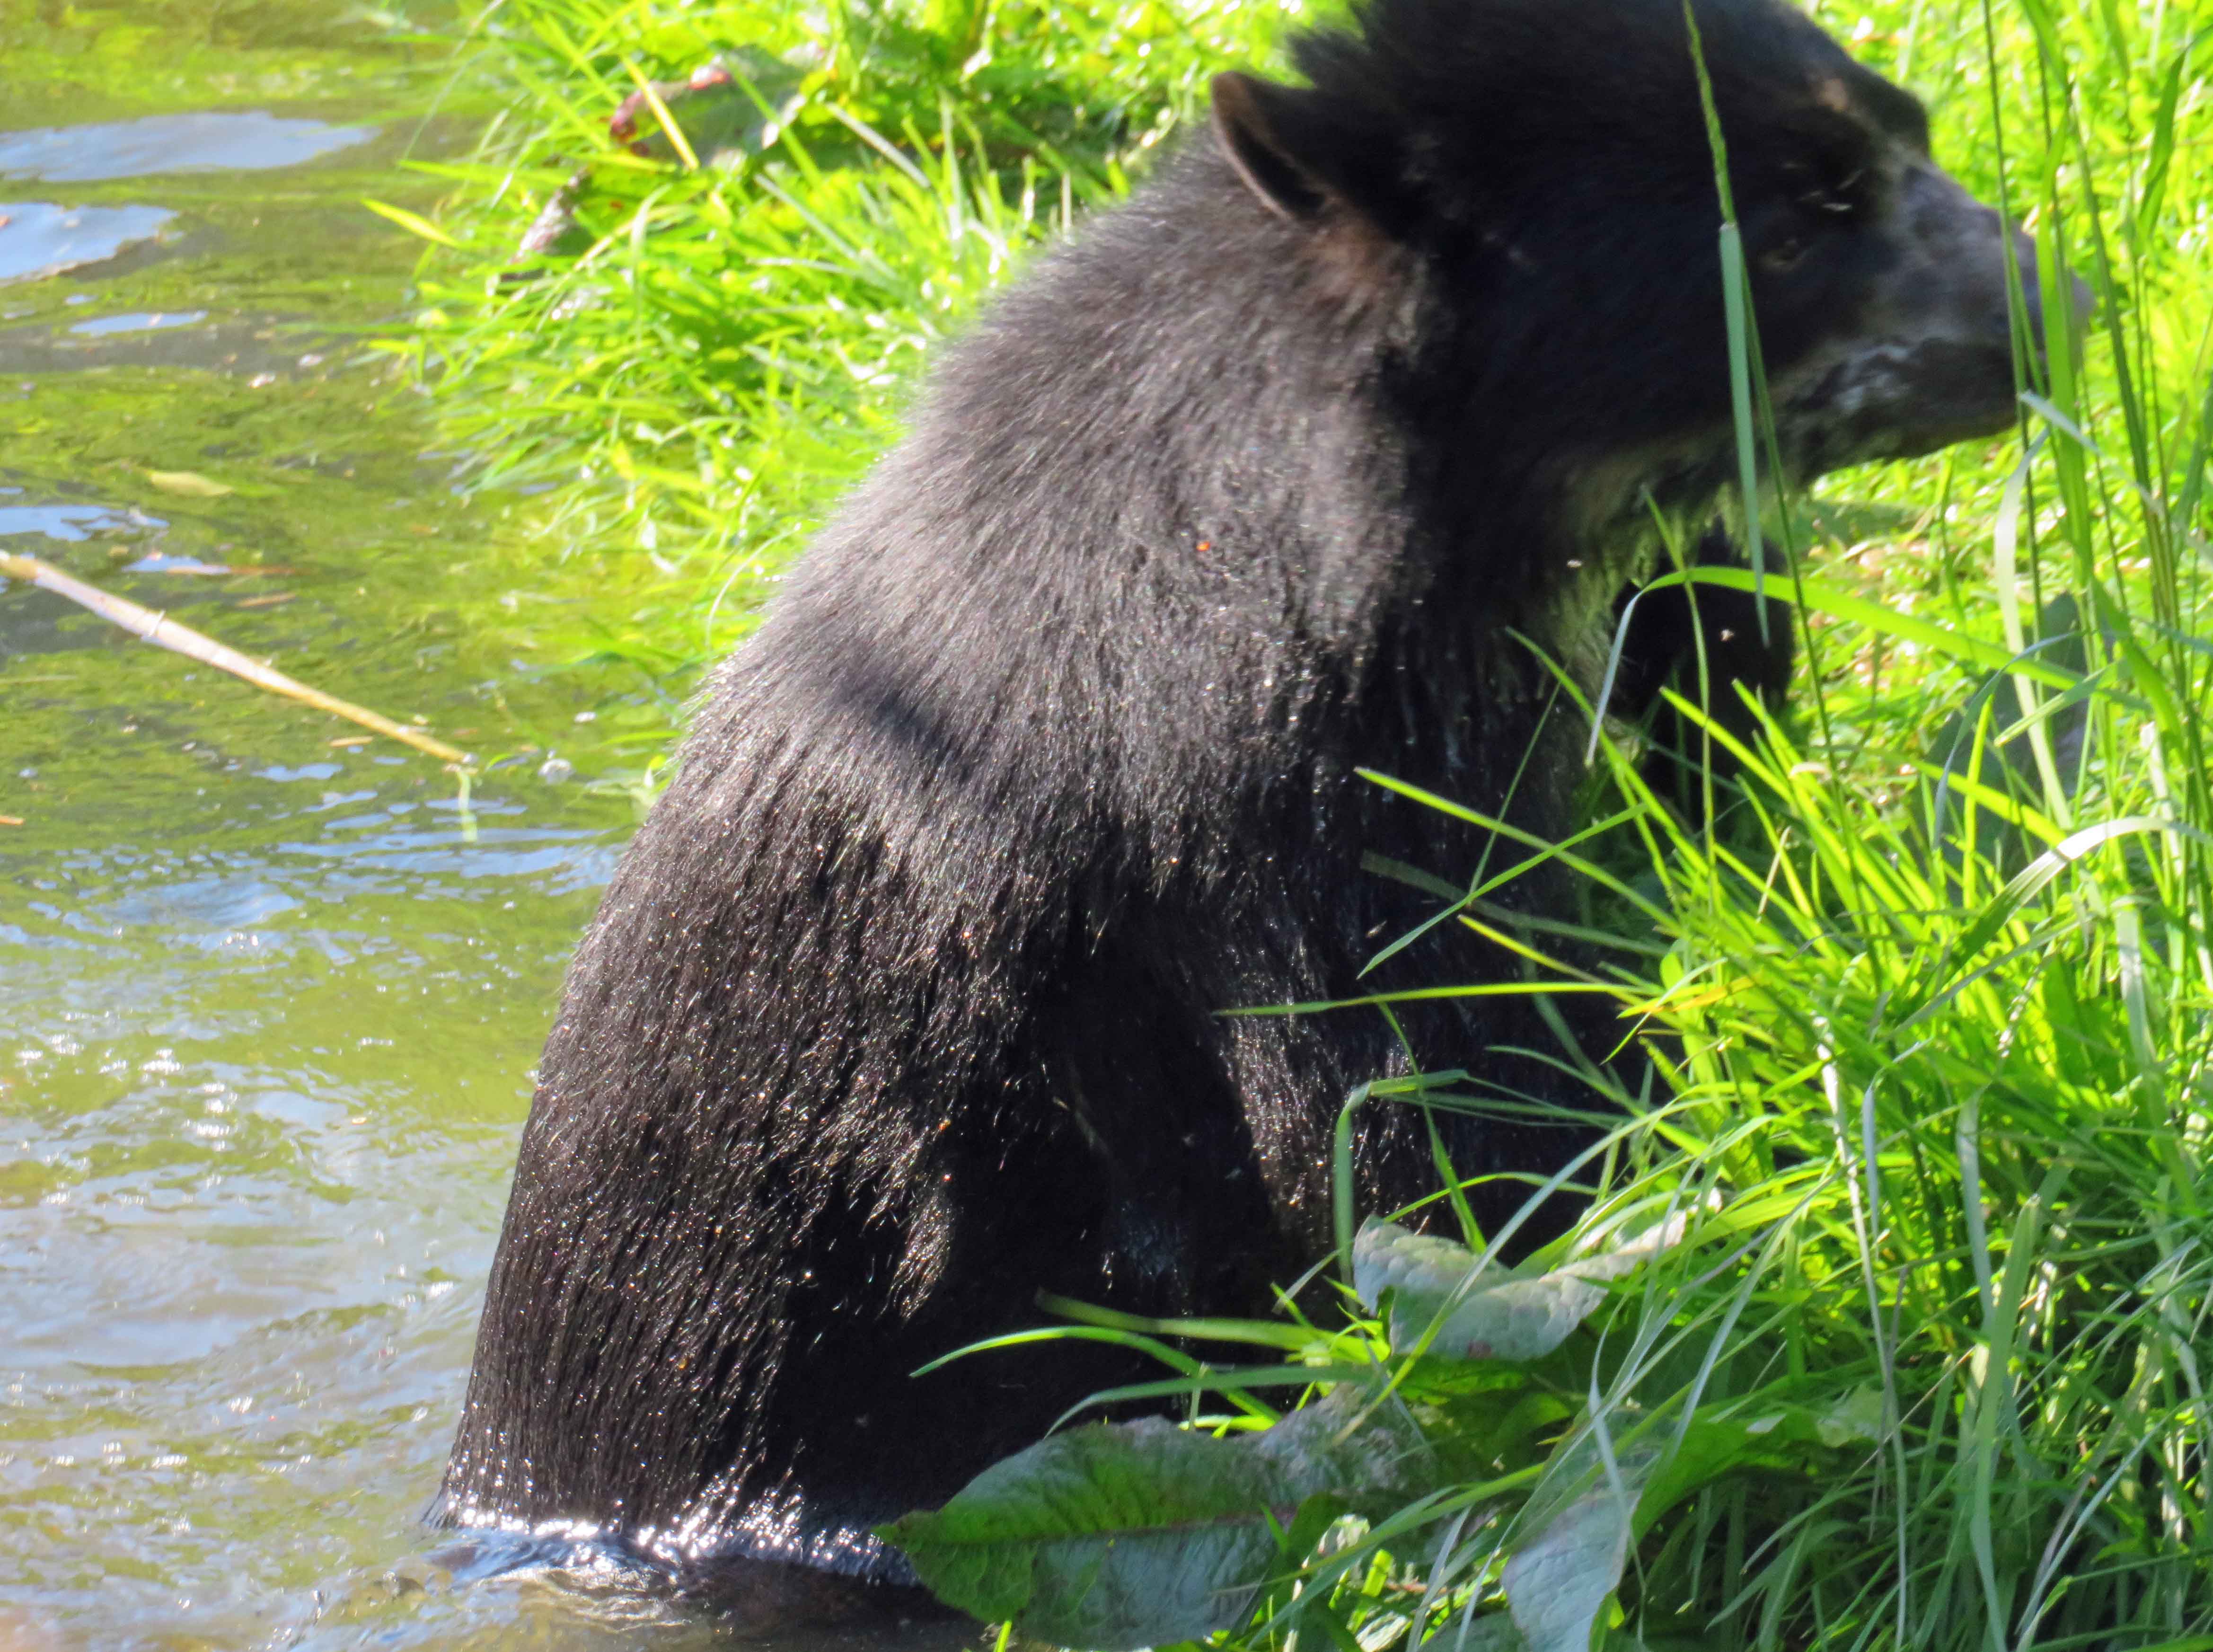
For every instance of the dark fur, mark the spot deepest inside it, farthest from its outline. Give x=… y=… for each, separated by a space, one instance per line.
x=903 y=1005
x=1704 y=644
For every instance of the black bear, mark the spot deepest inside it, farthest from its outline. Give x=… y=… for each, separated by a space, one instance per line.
x=1321 y=451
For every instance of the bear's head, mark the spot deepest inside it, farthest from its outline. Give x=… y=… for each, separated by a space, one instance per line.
x=1537 y=179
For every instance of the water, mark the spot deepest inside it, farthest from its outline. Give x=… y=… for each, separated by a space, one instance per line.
x=269 y=995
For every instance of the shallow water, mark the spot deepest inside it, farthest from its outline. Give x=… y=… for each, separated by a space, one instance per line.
x=269 y=995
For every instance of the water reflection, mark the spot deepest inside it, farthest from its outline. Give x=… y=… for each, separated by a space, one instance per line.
x=137 y=321
x=212 y=141
x=40 y=238
x=69 y=524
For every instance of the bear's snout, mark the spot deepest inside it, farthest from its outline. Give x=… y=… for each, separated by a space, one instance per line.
x=1932 y=361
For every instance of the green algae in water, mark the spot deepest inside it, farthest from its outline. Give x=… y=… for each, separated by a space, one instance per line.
x=269 y=996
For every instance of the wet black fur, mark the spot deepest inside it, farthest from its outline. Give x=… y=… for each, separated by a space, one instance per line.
x=903 y=1005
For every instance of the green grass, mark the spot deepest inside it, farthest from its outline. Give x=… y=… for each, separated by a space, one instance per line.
x=1938 y=1045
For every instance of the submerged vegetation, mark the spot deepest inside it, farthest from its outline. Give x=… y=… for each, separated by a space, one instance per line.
x=1885 y=1326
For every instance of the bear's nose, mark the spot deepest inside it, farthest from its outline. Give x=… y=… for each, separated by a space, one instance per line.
x=1966 y=241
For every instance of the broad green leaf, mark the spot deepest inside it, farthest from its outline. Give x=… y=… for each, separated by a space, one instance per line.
x=1139 y=1533
x=1469 y=1308
x=1493 y=1632
x=1556 y=1586
x=1769 y=1438
x=1558 y=1583
x=1856 y=1419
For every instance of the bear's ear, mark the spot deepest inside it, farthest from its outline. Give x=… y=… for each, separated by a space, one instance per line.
x=1250 y=118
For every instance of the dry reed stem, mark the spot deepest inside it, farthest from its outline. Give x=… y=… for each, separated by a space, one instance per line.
x=153 y=626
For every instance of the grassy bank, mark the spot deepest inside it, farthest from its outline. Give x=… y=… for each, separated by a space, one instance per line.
x=1922 y=1365
x=708 y=357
